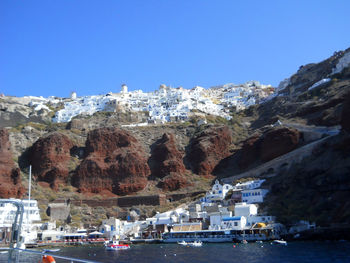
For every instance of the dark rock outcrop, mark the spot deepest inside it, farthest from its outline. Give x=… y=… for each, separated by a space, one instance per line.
x=173 y=182
x=115 y=161
x=277 y=142
x=345 y=123
x=166 y=158
x=167 y=162
x=250 y=151
x=50 y=157
x=209 y=148
x=271 y=144
x=10 y=179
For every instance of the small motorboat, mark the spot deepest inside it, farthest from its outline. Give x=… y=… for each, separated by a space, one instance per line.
x=114 y=245
x=279 y=242
x=195 y=244
x=183 y=243
x=191 y=244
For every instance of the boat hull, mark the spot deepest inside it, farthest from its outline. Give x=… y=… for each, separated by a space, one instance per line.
x=117 y=247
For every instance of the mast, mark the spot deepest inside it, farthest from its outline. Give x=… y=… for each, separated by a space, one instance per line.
x=30 y=182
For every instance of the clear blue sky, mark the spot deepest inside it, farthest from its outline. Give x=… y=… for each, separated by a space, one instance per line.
x=54 y=47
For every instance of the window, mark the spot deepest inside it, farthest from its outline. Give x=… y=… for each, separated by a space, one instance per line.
x=236 y=223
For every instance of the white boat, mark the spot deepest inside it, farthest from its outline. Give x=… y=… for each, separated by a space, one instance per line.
x=191 y=244
x=183 y=243
x=279 y=242
x=114 y=245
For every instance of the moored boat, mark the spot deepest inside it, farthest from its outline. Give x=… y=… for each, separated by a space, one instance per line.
x=279 y=242
x=114 y=245
x=191 y=244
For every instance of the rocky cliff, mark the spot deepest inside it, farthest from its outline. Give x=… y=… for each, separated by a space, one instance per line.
x=208 y=148
x=166 y=162
x=95 y=155
x=50 y=158
x=114 y=161
x=10 y=179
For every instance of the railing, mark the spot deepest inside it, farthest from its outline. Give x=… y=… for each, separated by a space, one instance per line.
x=20 y=256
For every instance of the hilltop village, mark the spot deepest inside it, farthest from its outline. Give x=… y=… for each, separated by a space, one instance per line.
x=166 y=104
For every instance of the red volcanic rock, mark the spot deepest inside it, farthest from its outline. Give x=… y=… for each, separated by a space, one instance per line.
x=10 y=180
x=277 y=142
x=209 y=148
x=50 y=157
x=115 y=162
x=250 y=151
x=173 y=182
x=273 y=143
x=345 y=123
x=166 y=158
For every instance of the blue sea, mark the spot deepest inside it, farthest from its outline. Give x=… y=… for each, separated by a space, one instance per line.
x=252 y=252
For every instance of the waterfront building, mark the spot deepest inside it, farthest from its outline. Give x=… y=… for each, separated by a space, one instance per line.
x=234 y=222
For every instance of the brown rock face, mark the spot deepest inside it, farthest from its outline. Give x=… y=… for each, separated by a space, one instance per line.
x=166 y=158
x=50 y=158
x=10 y=180
x=277 y=142
x=209 y=148
x=167 y=163
x=115 y=162
x=273 y=143
x=250 y=151
x=173 y=182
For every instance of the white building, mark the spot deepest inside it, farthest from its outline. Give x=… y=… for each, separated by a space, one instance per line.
x=234 y=222
x=250 y=213
x=254 y=195
x=73 y=95
x=253 y=184
x=217 y=217
x=124 y=89
x=217 y=193
x=244 y=209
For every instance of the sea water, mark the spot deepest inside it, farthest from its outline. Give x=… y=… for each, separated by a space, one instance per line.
x=227 y=252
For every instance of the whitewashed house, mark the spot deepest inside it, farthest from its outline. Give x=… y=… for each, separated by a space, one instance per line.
x=254 y=195
x=234 y=222
x=250 y=213
x=217 y=193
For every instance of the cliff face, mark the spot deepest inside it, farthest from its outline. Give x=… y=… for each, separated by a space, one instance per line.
x=10 y=180
x=167 y=163
x=160 y=158
x=317 y=189
x=50 y=157
x=209 y=148
x=115 y=162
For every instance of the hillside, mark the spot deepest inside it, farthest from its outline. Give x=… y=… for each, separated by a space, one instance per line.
x=285 y=135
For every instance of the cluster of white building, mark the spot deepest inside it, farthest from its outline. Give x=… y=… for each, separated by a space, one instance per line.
x=168 y=104
x=212 y=212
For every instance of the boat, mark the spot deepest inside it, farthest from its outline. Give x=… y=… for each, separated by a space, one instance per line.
x=191 y=244
x=183 y=243
x=279 y=242
x=223 y=235
x=114 y=245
